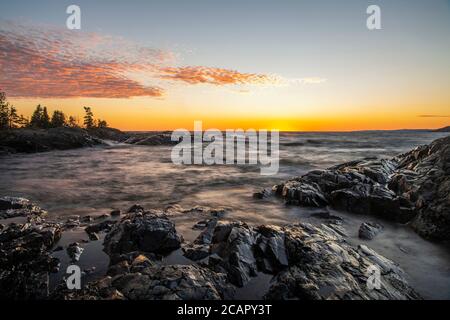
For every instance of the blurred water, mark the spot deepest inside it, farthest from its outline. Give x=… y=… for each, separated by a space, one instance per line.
x=96 y=180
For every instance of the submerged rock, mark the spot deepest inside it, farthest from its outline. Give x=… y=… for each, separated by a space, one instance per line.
x=413 y=187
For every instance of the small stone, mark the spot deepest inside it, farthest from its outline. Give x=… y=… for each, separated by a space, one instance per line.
x=94 y=236
x=115 y=213
x=74 y=251
x=369 y=230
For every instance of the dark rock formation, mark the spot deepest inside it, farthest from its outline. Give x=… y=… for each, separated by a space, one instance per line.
x=151 y=139
x=146 y=231
x=11 y=207
x=174 y=282
x=369 y=230
x=413 y=187
x=25 y=260
x=323 y=266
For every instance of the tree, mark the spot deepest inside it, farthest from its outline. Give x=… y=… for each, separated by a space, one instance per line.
x=35 y=121
x=88 y=118
x=4 y=111
x=40 y=118
x=72 y=122
x=13 y=118
x=58 y=119
x=45 y=120
x=102 y=124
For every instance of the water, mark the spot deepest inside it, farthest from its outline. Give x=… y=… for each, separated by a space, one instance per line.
x=94 y=181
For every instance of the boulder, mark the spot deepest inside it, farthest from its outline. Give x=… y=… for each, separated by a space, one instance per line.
x=369 y=230
x=150 y=232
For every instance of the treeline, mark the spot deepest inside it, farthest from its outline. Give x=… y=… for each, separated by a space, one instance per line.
x=10 y=119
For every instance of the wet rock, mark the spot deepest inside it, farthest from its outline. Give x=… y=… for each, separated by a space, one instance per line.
x=11 y=207
x=74 y=251
x=102 y=217
x=142 y=231
x=93 y=236
x=25 y=261
x=136 y=208
x=323 y=266
x=369 y=230
x=196 y=252
x=265 y=193
x=424 y=178
x=234 y=243
x=99 y=227
x=412 y=187
x=115 y=213
x=174 y=282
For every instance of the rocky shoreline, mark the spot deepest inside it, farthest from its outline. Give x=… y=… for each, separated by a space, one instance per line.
x=28 y=140
x=304 y=261
x=411 y=188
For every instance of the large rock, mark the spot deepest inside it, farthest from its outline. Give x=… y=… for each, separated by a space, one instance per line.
x=423 y=176
x=25 y=260
x=11 y=207
x=174 y=282
x=323 y=266
x=413 y=187
x=146 y=231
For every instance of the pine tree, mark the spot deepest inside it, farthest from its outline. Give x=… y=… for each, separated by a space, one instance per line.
x=45 y=120
x=58 y=119
x=35 y=121
x=13 y=118
x=102 y=124
x=4 y=111
x=88 y=118
x=72 y=122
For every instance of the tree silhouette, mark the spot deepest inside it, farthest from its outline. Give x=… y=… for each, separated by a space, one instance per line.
x=88 y=118
x=58 y=119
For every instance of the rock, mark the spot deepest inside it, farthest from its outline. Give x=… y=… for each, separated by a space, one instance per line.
x=196 y=252
x=424 y=178
x=413 y=187
x=86 y=219
x=174 y=282
x=28 y=140
x=102 y=217
x=323 y=266
x=25 y=261
x=102 y=226
x=11 y=207
x=152 y=139
x=74 y=251
x=94 y=236
x=136 y=208
x=234 y=243
x=115 y=213
x=369 y=230
x=262 y=194
x=142 y=231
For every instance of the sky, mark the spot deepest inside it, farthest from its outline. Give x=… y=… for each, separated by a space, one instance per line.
x=284 y=64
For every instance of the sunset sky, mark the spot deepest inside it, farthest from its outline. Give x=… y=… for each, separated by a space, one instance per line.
x=284 y=64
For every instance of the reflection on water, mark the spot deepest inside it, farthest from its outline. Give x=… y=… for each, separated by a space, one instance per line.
x=96 y=180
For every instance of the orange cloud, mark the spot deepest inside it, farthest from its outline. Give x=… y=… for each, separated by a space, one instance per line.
x=58 y=65
x=216 y=76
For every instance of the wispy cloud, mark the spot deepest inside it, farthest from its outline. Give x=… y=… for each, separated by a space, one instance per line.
x=216 y=76
x=433 y=116
x=50 y=62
